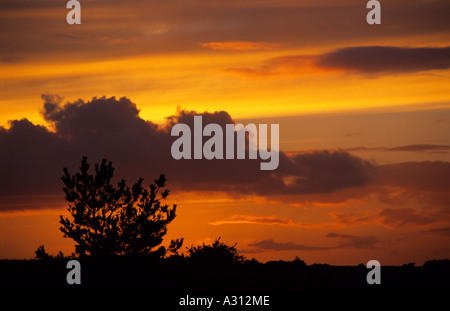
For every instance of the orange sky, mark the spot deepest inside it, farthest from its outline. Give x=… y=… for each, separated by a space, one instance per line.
x=376 y=92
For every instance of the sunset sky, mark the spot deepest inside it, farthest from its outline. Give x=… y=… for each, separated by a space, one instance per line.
x=364 y=115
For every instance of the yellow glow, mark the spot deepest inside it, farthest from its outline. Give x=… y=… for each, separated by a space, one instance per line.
x=158 y=84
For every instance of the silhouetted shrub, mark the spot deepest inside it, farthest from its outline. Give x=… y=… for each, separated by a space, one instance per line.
x=216 y=253
x=41 y=253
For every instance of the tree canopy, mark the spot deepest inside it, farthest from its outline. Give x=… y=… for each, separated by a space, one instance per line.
x=121 y=220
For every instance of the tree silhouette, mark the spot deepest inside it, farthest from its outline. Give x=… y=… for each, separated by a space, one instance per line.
x=41 y=253
x=120 y=220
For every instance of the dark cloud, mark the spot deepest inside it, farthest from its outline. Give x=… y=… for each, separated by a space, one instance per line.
x=416 y=176
x=375 y=59
x=29 y=156
x=325 y=171
x=442 y=231
x=393 y=217
x=32 y=156
x=271 y=245
x=25 y=4
x=399 y=217
x=361 y=59
x=413 y=194
x=418 y=193
x=346 y=241
x=353 y=241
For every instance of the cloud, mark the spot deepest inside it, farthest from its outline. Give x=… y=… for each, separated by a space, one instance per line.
x=267 y=220
x=360 y=59
x=29 y=155
x=239 y=46
x=351 y=219
x=406 y=148
x=250 y=219
x=280 y=66
x=353 y=241
x=176 y=25
x=271 y=245
x=442 y=231
x=32 y=156
x=416 y=176
x=376 y=59
x=346 y=241
x=399 y=217
x=393 y=217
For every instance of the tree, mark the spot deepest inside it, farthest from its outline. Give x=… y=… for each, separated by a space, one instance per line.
x=217 y=253
x=41 y=253
x=120 y=220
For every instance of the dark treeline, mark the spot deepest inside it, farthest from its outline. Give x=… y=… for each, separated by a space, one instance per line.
x=181 y=273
